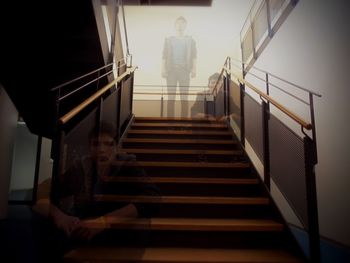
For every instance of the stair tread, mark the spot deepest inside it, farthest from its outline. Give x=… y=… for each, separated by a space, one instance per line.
x=180 y=152
x=189 y=224
x=178 y=141
x=185 y=125
x=178 y=254
x=183 y=164
x=179 y=132
x=142 y=119
x=184 y=199
x=184 y=180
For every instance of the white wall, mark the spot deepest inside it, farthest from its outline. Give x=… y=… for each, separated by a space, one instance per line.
x=24 y=159
x=46 y=163
x=312 y=49
x=8 y=120
x=215 y=29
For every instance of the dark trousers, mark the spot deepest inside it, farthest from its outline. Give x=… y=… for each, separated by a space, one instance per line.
x=178 y=76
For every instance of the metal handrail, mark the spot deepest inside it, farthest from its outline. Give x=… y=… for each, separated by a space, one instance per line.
x=83 y=76
x=289 y=113
x=279 y=78
x=64 y=119
x=277 y=87
x=84 y=85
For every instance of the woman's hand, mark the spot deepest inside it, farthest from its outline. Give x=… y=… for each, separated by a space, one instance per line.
x=89 y=228
x=63 y=221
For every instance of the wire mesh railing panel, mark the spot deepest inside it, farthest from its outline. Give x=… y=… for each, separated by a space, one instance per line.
x=288 y=165
x=234 y=103
x=275 y=8
x=75 y=143
x=126 y=100
x=247 y=45
x=260 y=24
x=219 y=108
x=253 y=125
x=109 y=109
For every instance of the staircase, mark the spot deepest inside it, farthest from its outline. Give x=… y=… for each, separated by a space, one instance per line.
x=213 y=207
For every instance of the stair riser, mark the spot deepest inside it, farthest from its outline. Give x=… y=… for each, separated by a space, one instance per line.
x=214 y=211
x=187 y=146
x=183 y=121
x=180 y=128
x=189 y=158
x=199 y=172
x=193 y=239
x=209 y=190
x=182 y=136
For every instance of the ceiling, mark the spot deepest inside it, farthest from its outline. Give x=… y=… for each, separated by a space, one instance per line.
x=169 y=2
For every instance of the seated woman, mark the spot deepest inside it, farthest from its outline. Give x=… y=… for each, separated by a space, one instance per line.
x=199 y=109
x=76 y=207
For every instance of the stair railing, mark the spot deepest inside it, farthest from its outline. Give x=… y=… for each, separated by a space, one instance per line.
x=158 y=90
x=264 y=19
x=111 y=103
x=287 y=158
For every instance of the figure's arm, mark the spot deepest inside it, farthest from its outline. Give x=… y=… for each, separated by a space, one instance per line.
x=164 y=70
x=63 y=221
x=194 y=59
x=194 y=68
x=164 y=60
x=91 y=227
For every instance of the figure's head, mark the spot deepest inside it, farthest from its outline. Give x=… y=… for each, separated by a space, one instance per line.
x=102 y=143
x=213 y=80
x=180 y=25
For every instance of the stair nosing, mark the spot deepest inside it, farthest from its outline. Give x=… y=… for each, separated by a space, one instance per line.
x=184 y=180
x=184 y=199
x=181 y=255
x=241 y=165
x=190 y=224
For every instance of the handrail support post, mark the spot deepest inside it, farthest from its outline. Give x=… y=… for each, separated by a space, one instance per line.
x=311 y=195
x=267 y=89
x=242 y=93
x=312 y=117
x=266 y=143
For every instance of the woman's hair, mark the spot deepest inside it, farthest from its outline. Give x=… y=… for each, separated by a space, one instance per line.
x=215 y=77
x=104 y=128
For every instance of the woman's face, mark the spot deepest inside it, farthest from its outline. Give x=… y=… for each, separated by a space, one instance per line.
x=103 y=148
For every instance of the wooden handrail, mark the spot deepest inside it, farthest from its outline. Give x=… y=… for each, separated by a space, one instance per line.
x=65 y=118
x=292 y=115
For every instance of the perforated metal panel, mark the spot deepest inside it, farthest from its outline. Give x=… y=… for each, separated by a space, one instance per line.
x=125 y=109
x=220 y=103
x=234 y=102
x=260 y=24
x=109 y=108
x=253 y=125
x=275 y=7
x=288 y=166
x=247 y=45
x=76 y=142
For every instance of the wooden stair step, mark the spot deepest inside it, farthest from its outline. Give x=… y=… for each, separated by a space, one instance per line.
x=235 y=165
x=178 y=255
x=180 y=132
x=179 y=141
x=169 y=125
x=189 y=224
x=182 y=152
x=184 y=199
x=176 y=119
x=183 y=180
